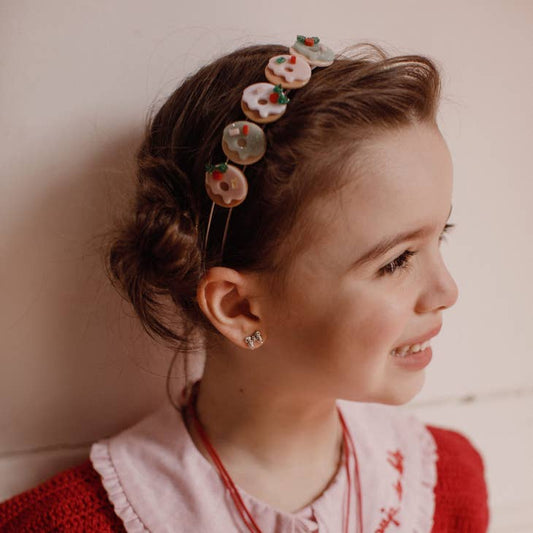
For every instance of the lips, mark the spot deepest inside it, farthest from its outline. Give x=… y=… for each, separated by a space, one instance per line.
x=422 y=338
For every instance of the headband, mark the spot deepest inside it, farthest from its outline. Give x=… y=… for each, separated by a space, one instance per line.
x=244 y=142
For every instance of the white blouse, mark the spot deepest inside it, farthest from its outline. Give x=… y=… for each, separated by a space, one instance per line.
x=158 y=481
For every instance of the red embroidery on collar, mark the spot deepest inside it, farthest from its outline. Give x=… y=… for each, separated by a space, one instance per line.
x=388 y=519
x=399 y=489
x=395 y=459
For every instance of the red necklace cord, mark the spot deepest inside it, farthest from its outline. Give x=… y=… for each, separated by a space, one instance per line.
x=239 y=504
x=226 y=478
x=358 y=486
x=228 y=482
x=348 y=475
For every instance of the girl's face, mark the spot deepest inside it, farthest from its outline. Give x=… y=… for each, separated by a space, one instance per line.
x=334 y=331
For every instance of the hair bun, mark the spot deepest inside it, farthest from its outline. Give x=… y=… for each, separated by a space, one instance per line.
x=157 y=253
x=167 y=243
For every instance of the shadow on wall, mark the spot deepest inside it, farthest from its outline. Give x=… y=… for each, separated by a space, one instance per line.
x=76 y=364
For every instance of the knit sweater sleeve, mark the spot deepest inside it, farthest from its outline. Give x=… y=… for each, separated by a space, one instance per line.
x=73 y=500
x=461 y=497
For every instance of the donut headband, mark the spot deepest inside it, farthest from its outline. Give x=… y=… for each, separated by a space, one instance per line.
x=244 y=142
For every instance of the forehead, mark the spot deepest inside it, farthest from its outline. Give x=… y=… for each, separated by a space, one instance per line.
x=401 y=181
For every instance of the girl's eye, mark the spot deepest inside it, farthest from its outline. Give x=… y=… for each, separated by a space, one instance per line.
x=402 y=262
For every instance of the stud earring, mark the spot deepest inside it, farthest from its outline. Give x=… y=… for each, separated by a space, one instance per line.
x=253 y=338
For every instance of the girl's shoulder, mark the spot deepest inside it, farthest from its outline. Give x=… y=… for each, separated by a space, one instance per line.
x=461 y=490
x=73 y=500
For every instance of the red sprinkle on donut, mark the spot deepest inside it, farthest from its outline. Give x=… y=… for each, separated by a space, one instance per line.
x=292 y=60
x=217 y=175
x=309 y=41
x=245 y=129
x=274 y=98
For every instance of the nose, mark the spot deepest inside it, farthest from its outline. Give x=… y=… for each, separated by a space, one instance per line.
x=440 y=290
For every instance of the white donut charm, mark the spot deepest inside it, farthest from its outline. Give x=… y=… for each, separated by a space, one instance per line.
x=289 y=71
x=264 y=102
x=225 y=184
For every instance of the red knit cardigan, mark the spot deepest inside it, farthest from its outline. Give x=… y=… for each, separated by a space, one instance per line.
x=75 y=500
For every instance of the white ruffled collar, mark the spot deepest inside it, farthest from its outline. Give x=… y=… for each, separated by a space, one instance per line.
x=158 y=481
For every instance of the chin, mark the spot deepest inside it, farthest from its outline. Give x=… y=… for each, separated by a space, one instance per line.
x=403 y=393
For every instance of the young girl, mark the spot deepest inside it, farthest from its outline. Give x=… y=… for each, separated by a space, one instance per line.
x=288 y=219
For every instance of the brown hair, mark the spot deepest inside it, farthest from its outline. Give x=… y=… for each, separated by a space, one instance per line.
x=157 y=257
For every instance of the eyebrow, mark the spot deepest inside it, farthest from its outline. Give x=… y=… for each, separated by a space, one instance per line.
x=390 y=242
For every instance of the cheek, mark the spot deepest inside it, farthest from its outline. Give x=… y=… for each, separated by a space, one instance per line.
x=365 y=328
x=354 y=320
x=377 y=322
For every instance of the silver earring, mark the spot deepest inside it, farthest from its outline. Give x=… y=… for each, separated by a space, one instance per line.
x=253 y=338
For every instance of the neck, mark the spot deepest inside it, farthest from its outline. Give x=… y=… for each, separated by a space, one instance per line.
x=265 y=429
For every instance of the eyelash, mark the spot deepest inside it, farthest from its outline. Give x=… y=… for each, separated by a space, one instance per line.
x=403 y=261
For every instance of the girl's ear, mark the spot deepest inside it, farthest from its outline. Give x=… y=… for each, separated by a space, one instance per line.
x=229 y=300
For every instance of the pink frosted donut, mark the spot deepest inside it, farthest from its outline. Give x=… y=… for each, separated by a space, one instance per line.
x=226 y=188
x=289 y=71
